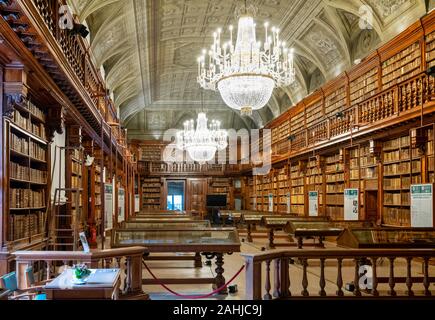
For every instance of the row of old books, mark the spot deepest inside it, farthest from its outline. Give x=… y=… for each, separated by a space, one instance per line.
x=27 y=225
x=25 y=173
x=26 y=198
x=25 y=123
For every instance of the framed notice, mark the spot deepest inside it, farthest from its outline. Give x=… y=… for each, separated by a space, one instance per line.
x=271 y=202
x=121 y=205
x=351 y=204
x=136 y=203
x=313 y=203
x=108 y=206
x=422 y=203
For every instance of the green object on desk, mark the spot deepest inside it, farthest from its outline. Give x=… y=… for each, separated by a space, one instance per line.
x=81 y=272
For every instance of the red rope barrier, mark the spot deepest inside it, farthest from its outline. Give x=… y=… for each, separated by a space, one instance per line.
x=194 y=297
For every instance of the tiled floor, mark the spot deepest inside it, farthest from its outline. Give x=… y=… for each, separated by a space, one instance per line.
x=180 y=269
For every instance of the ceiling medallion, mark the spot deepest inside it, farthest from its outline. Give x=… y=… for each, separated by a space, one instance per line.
x=246 y=73
x=202 y=142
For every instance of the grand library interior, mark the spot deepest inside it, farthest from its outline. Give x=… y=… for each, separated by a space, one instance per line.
x=217 y=150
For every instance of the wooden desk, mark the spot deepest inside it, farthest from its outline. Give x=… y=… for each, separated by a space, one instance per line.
x=276 y=222
x=255 y=218
x=210 y=242
x=62 y=288
x=312 y=229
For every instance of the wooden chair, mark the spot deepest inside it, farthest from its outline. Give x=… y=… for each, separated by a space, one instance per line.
x=32 y=292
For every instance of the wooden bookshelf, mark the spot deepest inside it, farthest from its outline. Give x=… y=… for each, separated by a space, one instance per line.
x=401 y=168
x=314 y=113
x=27 y=174
x=335 y=101
x=402 y=66
x=250 y=188
x=297 y=191
x=314 y=178
x=364 y=87
x=335 y=185
x=430 y=49
x=430 y=146
x=96 y=190
x=150 y=152
x=151 y=193
x=281 y=189
x=297 y=122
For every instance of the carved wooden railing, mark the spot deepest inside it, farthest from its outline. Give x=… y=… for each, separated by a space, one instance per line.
x=129 y=260
x=77 y=54
x=399 y=99
x=280 y=283
x=160 y=167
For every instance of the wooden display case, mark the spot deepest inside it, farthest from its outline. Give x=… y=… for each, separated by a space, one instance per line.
x=387 y=238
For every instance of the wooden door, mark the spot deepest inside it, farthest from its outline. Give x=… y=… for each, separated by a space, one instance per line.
x=371 y=204
x=196 y=194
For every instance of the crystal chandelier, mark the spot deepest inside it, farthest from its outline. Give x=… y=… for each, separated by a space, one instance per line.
x=246 y=73
x=203 y=142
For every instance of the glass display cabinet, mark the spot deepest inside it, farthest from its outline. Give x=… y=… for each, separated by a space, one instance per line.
x=223 y=240
x=312 y=229
x=183 y=224
x=213 y=243
x=387 y=238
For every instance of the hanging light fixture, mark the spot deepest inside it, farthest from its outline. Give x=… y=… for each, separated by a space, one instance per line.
x=246 y=73
x=202 y=142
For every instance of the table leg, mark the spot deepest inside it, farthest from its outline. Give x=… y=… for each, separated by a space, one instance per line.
x=219 y=279
x=249 y=233
x=300 y=242
x=223 y=221
x=198 y=260
x=321 y=244
x=271 y=238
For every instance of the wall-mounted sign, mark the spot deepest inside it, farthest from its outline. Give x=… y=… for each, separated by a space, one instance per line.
x=271 y=202
x=108 y=206
x=422 y=206
x=121 y=205
x=313 y=203
x=136 y=203
x=351 y=204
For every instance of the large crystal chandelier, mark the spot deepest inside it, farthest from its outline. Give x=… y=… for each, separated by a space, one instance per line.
x=202 y=142
x=246 y=73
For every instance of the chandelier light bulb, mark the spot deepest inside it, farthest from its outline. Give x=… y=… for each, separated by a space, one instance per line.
x=247 y=72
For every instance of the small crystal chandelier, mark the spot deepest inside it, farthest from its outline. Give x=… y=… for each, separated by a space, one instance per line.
x=246 y=73
x=203 y=142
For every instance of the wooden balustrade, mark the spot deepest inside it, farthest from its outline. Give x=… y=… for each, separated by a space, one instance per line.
x=284 y=281
x=129 y=260
x=399 y=99
x=160 y=167
x=76 y=52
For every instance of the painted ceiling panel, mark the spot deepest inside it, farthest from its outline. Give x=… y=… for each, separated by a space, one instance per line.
x=148 y=49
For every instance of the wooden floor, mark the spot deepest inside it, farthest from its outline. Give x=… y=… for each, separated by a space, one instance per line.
x=234 y=262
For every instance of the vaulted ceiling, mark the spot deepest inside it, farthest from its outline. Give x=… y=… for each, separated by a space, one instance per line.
x=147 y=51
